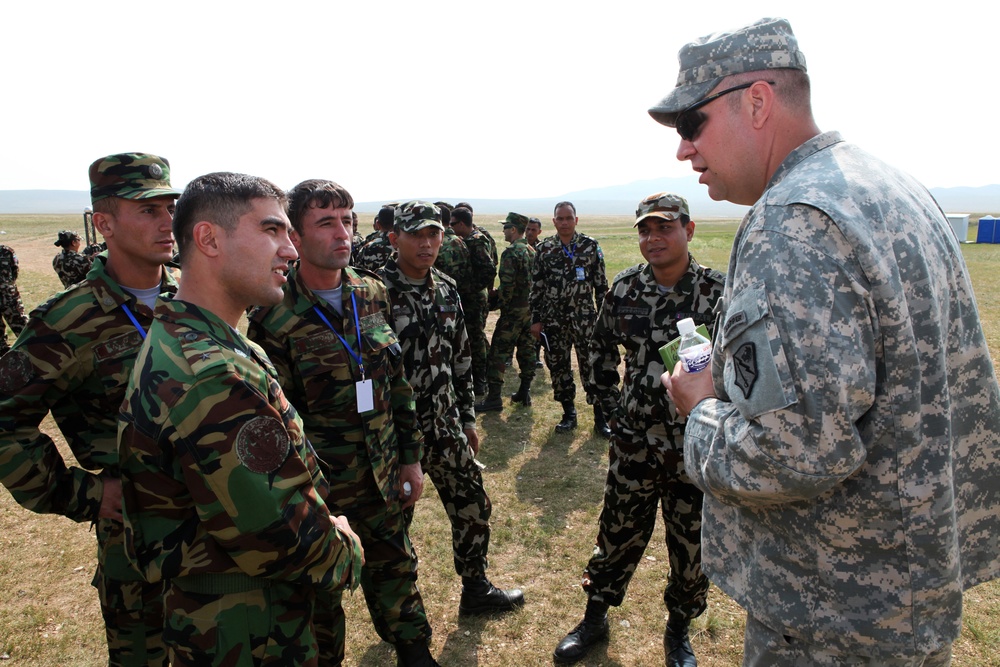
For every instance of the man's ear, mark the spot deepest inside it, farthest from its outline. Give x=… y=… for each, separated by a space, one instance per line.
x=761 y=103
x=102 y=223
x=392 y=238
x=206 y=237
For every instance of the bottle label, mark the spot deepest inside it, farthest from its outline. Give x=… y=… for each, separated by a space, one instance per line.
x=696 y=357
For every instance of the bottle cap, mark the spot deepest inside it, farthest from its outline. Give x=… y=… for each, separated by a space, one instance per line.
x=685 y=326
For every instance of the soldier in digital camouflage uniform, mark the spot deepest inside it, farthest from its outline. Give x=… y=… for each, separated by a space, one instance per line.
x=73 y=359
x=222 y=493
x=377 y=249
x=312 y=338
x=646 y=463
x=11 y=308
x=427 y=315
x=848 y=437
x=475 y=292
x=513 y=328
x=569 y=283
x=70 y=265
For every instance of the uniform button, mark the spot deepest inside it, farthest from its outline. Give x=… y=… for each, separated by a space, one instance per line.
x=108 y=301
x=191 y=336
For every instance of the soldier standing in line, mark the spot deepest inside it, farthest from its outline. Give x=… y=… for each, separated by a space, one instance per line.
x=340 y=363
x=513 y=329
x=11 y=308
x=377 y=249
x=73 y=359
x=427 y=315
x=475 y=292
x=222 y=493
x=356 y=239
x=569 y=283
x=454 y=259
x=646 y=462
x=69 y=263
x=533 y=231
x=489 y=237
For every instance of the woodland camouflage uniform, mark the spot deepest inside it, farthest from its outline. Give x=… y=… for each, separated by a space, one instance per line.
x=360 y=454
x=222 y=497
x=454 y=259
x=474 y=293
x=11 y=308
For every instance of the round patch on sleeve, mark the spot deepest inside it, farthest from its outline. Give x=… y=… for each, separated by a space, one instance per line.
x=262 y=445
x=15 y=372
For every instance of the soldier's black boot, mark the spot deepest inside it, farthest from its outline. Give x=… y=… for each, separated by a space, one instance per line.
x=493 y=401
x=592 y=629
x=601 y=427
x=568 y=422
x=479 y=596
x=677 y=645
x=480 y=387
x=523 y=394
x=414 y=654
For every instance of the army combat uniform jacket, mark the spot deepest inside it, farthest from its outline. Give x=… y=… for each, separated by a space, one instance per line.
x=850 y=464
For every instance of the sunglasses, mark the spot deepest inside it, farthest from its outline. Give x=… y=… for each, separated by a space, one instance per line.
x=690 y=120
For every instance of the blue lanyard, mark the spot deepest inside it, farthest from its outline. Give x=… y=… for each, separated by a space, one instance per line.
x=142 y=332
x=357 y=329
x=569 y=253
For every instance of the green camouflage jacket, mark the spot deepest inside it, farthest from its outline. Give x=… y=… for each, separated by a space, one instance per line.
x=515 y=276
x=436 y=353
x=318 y=376
x=484 y=264
x=567 y=282
x=453 y=259
x=217 y=474
x=638 y=317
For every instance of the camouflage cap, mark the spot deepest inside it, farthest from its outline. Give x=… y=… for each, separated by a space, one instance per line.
x=415 y=215
x=661 y=205
x=66 y=237
x=515 y=220
x=766 y=44
x=130 y=176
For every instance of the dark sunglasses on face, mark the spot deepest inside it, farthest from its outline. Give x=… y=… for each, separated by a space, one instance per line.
x=690 y=120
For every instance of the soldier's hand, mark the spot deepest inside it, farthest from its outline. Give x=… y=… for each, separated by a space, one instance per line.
x=473 y=437
x=345 y=527
x=687 y=390
x=536 y=330
x=111 y=499
x=412 y=474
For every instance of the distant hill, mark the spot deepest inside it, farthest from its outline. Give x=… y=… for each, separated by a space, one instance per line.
x=610 y=200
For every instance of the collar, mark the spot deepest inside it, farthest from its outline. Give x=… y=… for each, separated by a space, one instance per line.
x=807 y=149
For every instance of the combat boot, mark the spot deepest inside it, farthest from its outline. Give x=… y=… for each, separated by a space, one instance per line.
x=415 y=654
x=523 y=394
x=592 y=629
x=677 y=645
x=479 y=596
x=493 y=401
x=568 y=422
x=601 y=427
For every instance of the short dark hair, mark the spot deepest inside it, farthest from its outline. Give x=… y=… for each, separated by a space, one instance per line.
x=221 y=197
x=107 y=206
x=386 y=218
x=316 y=193
x=463 y=215
x=465 y=205
x=564 y=203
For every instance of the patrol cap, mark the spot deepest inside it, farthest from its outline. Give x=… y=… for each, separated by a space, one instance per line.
x=66 y=237
x=515 y=220
x=662 y=205
x=130 y=176
x=766 y=44
x=415 y=215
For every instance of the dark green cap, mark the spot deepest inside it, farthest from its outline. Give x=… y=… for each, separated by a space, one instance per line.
x=130 y=176
x=415 y=215
x=515 y=220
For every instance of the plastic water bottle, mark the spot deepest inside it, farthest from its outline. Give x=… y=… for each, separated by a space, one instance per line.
x=695 y=351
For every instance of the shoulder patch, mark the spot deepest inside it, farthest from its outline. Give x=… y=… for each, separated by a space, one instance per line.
x=745 y=368
x=16 y=371
x=262 y=445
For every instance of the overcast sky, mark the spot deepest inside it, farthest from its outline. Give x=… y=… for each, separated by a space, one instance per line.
x=463 y=99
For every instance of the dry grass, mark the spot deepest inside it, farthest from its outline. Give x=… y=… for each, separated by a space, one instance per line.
x=546 y=491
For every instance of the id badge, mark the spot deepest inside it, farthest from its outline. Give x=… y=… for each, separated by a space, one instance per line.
x=366 y=397
x=579 y=273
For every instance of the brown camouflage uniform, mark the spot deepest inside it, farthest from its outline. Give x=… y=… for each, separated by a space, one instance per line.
x=11 y=308
x=375 y=252
x=71 y=267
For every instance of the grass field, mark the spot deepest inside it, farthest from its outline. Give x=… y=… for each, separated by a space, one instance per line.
x=546 y=491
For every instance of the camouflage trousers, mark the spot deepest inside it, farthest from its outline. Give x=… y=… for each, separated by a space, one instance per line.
x=11 y=311
x=388 y=578
x=238 y=621
x=133 y=621
x=513 y=330
x=764 y=647
x=647 y=471
x=451 y=465
x=475 y=309
x=563 y=338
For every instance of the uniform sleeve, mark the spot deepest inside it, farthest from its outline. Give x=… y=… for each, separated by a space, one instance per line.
x=798 y=363
x=538 y=288
x=600 y=277
x=484 y=269
x=463 y=374
x=605 y=358
x=508 y=271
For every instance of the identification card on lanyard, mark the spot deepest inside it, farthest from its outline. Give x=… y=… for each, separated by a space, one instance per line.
x=366 y=397
x=363 y=391
x=579 y=274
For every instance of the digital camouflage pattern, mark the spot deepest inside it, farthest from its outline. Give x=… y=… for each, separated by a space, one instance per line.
x=74 y=358
x=646 y=464
x=513 y=328
x=360 y=454
x=11 y=308
x=71 y=267
x=850 y=463
x=375 y=253
x=130 y=176
x=223 y=496
x=568 y=285
x=454 y=259
x=431 y=328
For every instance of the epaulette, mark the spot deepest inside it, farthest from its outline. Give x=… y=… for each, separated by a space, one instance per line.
x=712 y=274
x=44 y=307
x=630 y=271
x=444 y=277
x=201 y=351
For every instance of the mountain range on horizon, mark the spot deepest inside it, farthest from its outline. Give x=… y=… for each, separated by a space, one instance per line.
x=609 y=200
